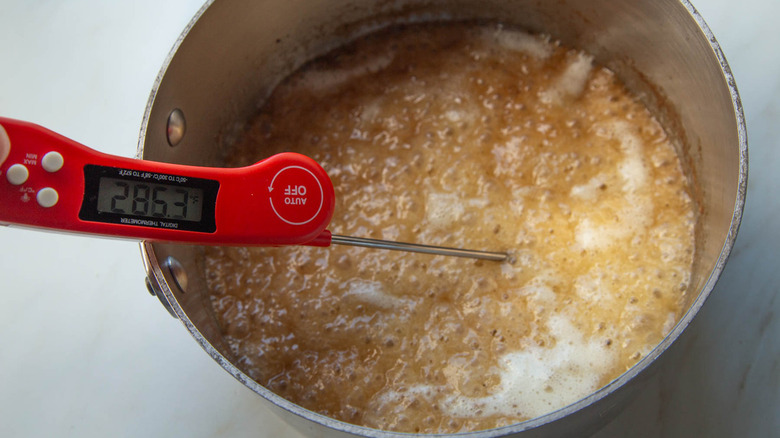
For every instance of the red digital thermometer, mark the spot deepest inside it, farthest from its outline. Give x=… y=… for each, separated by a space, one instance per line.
x=48 y=181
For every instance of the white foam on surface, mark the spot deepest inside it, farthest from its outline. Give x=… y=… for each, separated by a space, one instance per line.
x=508 y=271
x=633 y=169
x=538 y=292
x=634 y=214
x=520 y=41
x=454 y=115
x=594 y=236
x=411 y=392
x=632 y=219
x=443 y=210
x=397 y=402
x=590 y=190
x=478 y=202
x=373 y=292
x=592 y=288
x=508 y=156
x=461 y=113
x=538 y=380
x=371 y=110
x=571 y=83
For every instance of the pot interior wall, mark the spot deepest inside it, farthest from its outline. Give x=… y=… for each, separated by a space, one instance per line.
x=237 y=51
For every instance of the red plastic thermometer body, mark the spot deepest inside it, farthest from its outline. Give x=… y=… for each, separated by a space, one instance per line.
x=49 y=181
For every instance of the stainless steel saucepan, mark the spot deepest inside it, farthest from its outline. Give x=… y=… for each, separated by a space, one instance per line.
x=234 y=52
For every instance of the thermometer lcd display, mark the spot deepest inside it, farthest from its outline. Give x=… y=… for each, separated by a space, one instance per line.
x=138 y=198
x=148 y=199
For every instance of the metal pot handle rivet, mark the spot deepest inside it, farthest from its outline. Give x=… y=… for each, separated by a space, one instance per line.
x=177 y=127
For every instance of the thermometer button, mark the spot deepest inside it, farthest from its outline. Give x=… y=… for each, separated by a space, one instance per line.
x=47 y=197
x=296 y=195
x=17 y=174
x=52 y=161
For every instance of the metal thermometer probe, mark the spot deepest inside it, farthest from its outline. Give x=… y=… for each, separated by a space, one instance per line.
x=48 y=181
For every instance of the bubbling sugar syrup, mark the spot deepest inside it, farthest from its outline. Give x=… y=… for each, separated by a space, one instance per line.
x=471 y=136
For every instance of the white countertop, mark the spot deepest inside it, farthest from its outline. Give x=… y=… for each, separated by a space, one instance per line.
x=87 y=352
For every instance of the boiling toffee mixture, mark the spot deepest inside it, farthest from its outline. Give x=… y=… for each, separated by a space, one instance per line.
x=466 y=136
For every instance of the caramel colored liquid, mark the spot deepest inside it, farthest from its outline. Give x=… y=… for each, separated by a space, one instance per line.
x=465 y=136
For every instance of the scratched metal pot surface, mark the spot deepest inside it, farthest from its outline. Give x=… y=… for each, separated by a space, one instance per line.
x=234 y=52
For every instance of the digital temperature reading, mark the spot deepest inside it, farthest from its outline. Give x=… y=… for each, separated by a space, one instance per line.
x=152 y=200
x=148 y=199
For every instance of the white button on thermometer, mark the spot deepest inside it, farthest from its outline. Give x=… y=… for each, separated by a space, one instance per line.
x=52 y=161
x=55 y=183
x=17 y=174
